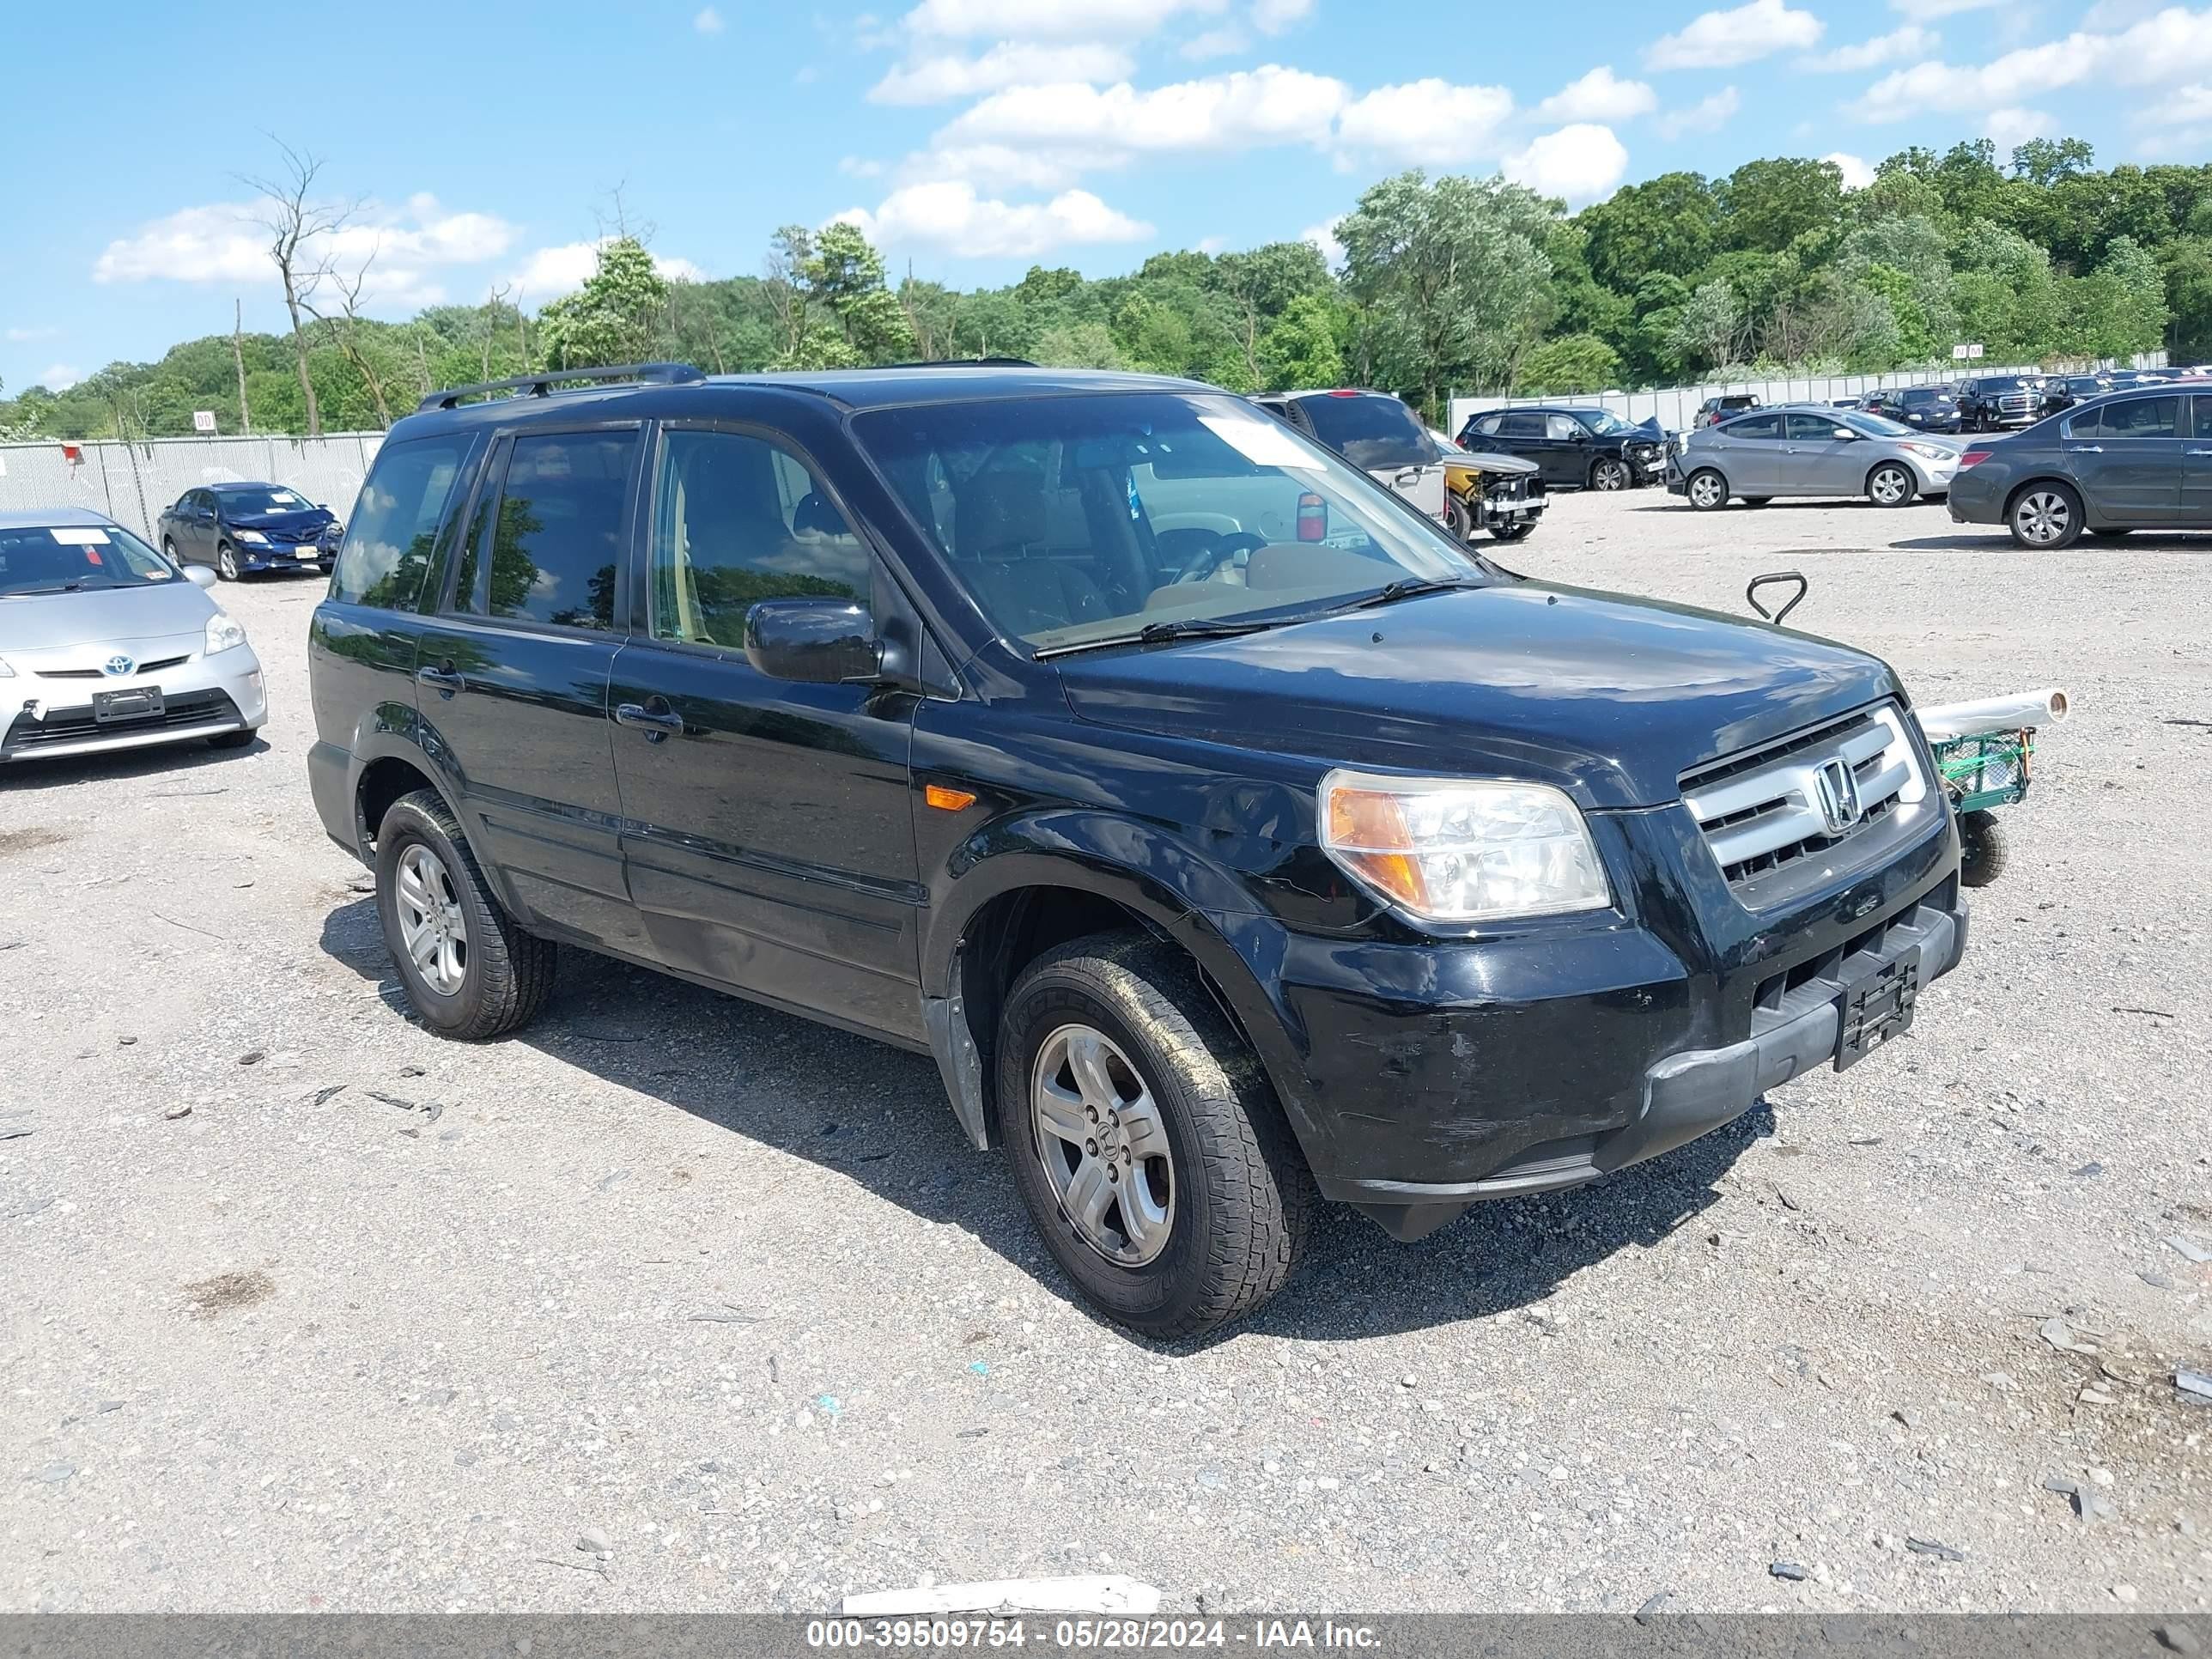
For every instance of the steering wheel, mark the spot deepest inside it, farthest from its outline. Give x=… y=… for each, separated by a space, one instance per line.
x=1214 y=557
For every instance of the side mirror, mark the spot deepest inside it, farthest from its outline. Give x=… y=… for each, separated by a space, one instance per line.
x=1843 y=432
x=1581 y=433
x=199 y=575
x=813 y=641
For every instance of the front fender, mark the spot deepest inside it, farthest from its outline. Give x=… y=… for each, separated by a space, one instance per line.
x=1150 y=870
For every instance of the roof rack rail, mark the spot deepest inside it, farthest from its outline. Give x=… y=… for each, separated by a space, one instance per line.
x=963 y=362
x=540 y=385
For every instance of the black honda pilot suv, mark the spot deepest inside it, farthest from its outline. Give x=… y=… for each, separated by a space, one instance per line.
x=1229 y=834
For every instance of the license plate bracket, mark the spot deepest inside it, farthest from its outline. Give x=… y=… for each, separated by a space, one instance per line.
x=137 y=703
x=1877 y=1009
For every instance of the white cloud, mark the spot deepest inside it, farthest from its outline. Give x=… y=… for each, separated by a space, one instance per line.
x=1323 y=236
x=859 y=166
x=944 y=75
x=1050 y=20
x=1943 y=8
x=948 y=214
x=59 y=377
x=1599 y=96
x=1721 y=39
x=2168 y=49
x=1211 y=244
x=1858 y=175
x=1274 y=16
x=1910 y=41
x=1706 y=115
x=24 y=335
x=2008 y=127
x=223 y=242
x=1429 y=120
x=1241 y=110
x=551 y=272
x=2191 y=103
x=1580 y=162
x=708 y=21
x=1214 y=43
x=1004 y=167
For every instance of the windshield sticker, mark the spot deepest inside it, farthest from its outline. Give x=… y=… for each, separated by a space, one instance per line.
x=1259 y=440
x=284 y=498
x=78 y=535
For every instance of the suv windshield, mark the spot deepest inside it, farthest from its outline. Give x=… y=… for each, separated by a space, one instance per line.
x=251 y=500
x=1925 y=395
x=1368 y=429
x=1082 y=519
x=1603 y=422
x=2008 y=383
x=66 y=558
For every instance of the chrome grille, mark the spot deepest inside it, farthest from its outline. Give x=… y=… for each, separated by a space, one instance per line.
x=1833 y=787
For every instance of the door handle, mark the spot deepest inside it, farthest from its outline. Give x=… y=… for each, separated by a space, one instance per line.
x=444 y=678
x=2201 y=452
x=2089 y=449
x=656 y=722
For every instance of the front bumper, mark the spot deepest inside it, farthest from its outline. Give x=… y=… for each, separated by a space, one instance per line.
x=47 y=718
x=1438 y=1074
x=1648 y=468
x=282 y=556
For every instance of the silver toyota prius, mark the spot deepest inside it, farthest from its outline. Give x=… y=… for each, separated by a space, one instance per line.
x=105 y=644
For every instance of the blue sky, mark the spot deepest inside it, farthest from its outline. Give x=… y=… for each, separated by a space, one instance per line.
x=481 y=144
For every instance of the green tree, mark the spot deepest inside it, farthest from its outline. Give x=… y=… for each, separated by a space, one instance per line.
x=1080 y=345
x=615 y=317
x=1453 y=277
x=2045 y=161
x=1709 y=330
x=1667 y=225
x=844 y=276
x=1572 y=362
x=1304 y=348
x=1767 y=204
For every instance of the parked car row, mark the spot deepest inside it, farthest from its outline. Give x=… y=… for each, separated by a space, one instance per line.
x=1809 y=449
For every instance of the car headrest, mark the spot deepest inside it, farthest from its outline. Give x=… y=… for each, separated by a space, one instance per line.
x=1001 y=514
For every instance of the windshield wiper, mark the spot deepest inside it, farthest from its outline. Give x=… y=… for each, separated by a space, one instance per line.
x=31 y=592
x=1160 y=632
x=1408 y=587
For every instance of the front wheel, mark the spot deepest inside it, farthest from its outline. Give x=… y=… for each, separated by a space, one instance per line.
x=1707 y=490
x=169 y=551
x=469 y=971
x=226 y=562
x=1519 y=532
x=1609 y=474
x=1456 y=520
x=1146 y=1141
x=2045 y=517
x=1890 y=485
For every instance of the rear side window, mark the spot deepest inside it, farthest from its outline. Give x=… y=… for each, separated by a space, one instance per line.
x=1755 y=425
x=2141 y=417
x=556 y=540
x=392 y=538
x=1373 y=432
x=1522 y=426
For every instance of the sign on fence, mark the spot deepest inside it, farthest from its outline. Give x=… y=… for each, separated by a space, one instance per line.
x=203 y=420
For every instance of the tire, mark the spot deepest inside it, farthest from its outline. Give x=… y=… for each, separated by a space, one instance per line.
x=504 y=972
x=1982 y=849
x=1456 y=520
x=2044 y=517
x=226 y=562
x=1514 y=532
x=231 y=739
x=1608 y=473
x=1757 y=500
x=1229 y=1201
x=169 y=552
x=1892 y=484
x=2113 y=533
x=1706 y=490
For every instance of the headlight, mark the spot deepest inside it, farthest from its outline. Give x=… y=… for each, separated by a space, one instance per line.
x=1451 y=849
x=253 y=536
x=223 y=631
x=1928 y=452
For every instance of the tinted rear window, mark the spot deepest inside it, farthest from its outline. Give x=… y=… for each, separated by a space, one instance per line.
x=556 y=541
x=1370 y=432
x=392 y=538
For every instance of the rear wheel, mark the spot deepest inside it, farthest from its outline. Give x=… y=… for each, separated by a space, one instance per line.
x=1608 y=473
x=1146 y=1141
x=471 y=971
x=226 y=562
x=1891 y=484
x=2045 y=517
x=1706 y=490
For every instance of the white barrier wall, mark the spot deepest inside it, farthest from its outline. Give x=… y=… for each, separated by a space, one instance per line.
x=132 y=483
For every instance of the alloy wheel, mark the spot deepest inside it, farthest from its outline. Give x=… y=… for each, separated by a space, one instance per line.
x=431 y=928
x=1612 y=475
x=226 y=564
x=1889 y=485
x=1706 y=490
x=1104 y=1144
x=2044 y=517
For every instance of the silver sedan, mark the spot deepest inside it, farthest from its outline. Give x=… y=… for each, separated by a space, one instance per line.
x=1810 y=449
x=105 y=644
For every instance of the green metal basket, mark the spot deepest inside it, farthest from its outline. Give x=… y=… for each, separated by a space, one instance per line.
x=1990 y=769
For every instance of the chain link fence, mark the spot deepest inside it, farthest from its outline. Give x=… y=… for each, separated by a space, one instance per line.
x=132 y=483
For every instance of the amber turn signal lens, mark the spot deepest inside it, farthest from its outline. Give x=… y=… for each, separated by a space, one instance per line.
x=946 y=800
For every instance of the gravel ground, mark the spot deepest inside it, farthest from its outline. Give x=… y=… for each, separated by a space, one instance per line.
x=675 y=1303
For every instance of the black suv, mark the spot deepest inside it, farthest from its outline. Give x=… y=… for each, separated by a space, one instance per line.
x=1998 y=402
x=1226 y=831
x=1924 y=408
x=1573 y=445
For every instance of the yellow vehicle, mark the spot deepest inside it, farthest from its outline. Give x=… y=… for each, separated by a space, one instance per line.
x=1502 y=494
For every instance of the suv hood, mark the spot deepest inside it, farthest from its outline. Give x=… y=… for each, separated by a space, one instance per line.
x=1485 y=460
x=1608 y=697
x=93 y=616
